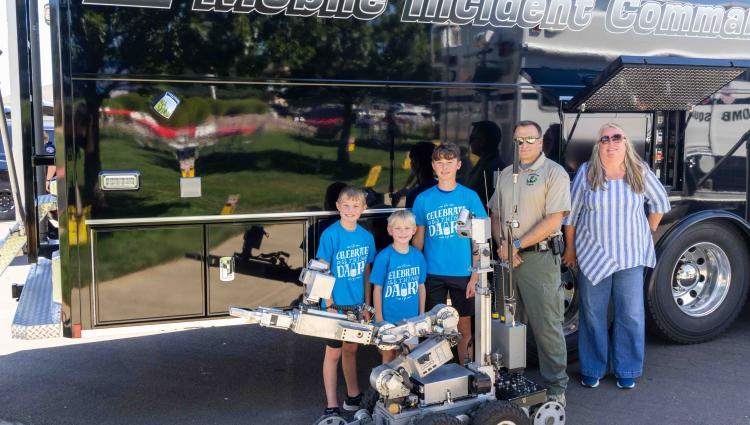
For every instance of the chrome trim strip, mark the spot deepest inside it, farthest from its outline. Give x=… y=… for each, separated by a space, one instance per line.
x=94 y=300
x=739 y=198
x=135 y=329
x=317 y=83
x=225 y=218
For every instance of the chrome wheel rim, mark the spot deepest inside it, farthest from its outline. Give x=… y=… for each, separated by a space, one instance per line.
x=701 y=279
x=570 y=312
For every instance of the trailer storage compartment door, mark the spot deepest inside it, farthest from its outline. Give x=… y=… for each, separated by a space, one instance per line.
x=171 y=287
x=252 y=264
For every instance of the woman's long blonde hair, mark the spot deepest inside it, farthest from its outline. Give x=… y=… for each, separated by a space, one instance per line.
x=634 y=173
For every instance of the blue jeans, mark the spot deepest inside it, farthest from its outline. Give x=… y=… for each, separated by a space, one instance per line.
x=625 y=288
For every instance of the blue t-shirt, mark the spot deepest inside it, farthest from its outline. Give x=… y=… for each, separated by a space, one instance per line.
x=348 y=252
x=446 y=252
x=400 y=276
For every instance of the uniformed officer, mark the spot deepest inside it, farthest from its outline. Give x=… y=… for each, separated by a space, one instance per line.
x=543 y=200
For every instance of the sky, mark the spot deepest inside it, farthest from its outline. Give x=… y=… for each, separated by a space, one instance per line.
x=45 y=49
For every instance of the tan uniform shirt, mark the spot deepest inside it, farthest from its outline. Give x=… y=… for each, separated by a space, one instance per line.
x=543 y=188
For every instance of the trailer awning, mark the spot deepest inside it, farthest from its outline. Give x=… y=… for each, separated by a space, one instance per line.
x=642 y=83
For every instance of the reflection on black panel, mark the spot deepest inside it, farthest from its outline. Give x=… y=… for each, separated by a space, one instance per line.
x=713 y=130
x=243 y=149
x=144 y=274
x=265 y=261
x=118 y=40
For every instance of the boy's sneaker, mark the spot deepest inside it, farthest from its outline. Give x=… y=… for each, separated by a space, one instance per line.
x=589 y=381
x=625 y=383
x=351 y=404
x=331 y=411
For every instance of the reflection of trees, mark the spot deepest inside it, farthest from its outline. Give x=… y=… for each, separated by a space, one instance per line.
x=132 y=41
x=383 y=49
x=182 y=43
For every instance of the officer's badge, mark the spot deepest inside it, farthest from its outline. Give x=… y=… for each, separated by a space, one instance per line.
x=532 y=179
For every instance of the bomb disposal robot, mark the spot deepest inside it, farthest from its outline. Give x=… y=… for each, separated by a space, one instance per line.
x=421 y=387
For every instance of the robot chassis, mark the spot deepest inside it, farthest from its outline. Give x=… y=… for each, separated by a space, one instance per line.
x=421 y=387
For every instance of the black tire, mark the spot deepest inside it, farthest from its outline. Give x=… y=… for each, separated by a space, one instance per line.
x=369 y=400
x=438 y=419
x=7 y=208
x=570 y=320
x=330 y=420
x=681 y=323
x=499 y=411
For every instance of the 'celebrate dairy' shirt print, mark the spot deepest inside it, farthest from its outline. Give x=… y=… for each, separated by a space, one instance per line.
x=348 y=252
x=351 y=261
x=442 y=222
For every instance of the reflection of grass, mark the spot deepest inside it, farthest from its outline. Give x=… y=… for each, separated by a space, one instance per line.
x=123 y=252
x=272 y=172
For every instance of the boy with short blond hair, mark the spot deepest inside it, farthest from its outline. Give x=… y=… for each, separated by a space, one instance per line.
x=349 y=250
x=398 y=274
x=448 y=256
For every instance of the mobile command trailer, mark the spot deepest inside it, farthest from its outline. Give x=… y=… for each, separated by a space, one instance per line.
x=197 y=140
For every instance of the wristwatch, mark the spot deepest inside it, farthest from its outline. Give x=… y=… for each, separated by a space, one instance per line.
x=517 y=243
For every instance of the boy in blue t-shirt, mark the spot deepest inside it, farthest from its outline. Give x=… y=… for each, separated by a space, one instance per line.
x=349 y=250
x=398 y=274
x=448 y=255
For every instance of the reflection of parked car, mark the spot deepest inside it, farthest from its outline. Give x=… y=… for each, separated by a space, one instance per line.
x=327 y=119
x=415 y=120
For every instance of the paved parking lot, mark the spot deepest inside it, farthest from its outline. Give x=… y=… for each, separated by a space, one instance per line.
x=250 y=375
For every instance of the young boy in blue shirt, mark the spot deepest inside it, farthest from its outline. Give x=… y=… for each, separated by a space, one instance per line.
x=448 y=255
x=349 y=250
x=398 y=274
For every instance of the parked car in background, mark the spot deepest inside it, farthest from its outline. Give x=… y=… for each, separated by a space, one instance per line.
x=7 y=205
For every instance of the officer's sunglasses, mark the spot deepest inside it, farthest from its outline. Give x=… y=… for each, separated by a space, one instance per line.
x=615 y=138
x=528 y=139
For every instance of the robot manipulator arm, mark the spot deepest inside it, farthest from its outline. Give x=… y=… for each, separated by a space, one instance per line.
x=441 y=320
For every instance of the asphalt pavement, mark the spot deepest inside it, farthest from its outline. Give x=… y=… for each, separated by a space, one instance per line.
x=250 y=375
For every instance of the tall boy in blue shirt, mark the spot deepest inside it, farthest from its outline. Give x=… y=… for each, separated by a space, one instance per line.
x=398 y=274
x=349 y=249
x=448 y=255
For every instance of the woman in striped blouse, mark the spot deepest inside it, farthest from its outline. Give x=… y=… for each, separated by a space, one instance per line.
x=608 y=235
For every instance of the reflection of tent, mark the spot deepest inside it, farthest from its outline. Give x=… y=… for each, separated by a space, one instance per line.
x=164 y=131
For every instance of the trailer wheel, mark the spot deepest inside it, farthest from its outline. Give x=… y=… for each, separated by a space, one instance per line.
x=500 y=413
x=330 y=420
x=437 y=419
x=570 y=319
x=369 y=400
x=700 y=284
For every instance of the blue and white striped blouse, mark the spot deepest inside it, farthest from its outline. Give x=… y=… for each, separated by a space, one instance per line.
x=612 y=231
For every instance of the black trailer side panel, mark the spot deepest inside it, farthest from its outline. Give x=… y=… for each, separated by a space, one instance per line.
x=234 y=123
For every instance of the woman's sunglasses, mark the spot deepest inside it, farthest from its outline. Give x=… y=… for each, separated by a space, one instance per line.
x=528 y=139
x=615 y=138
